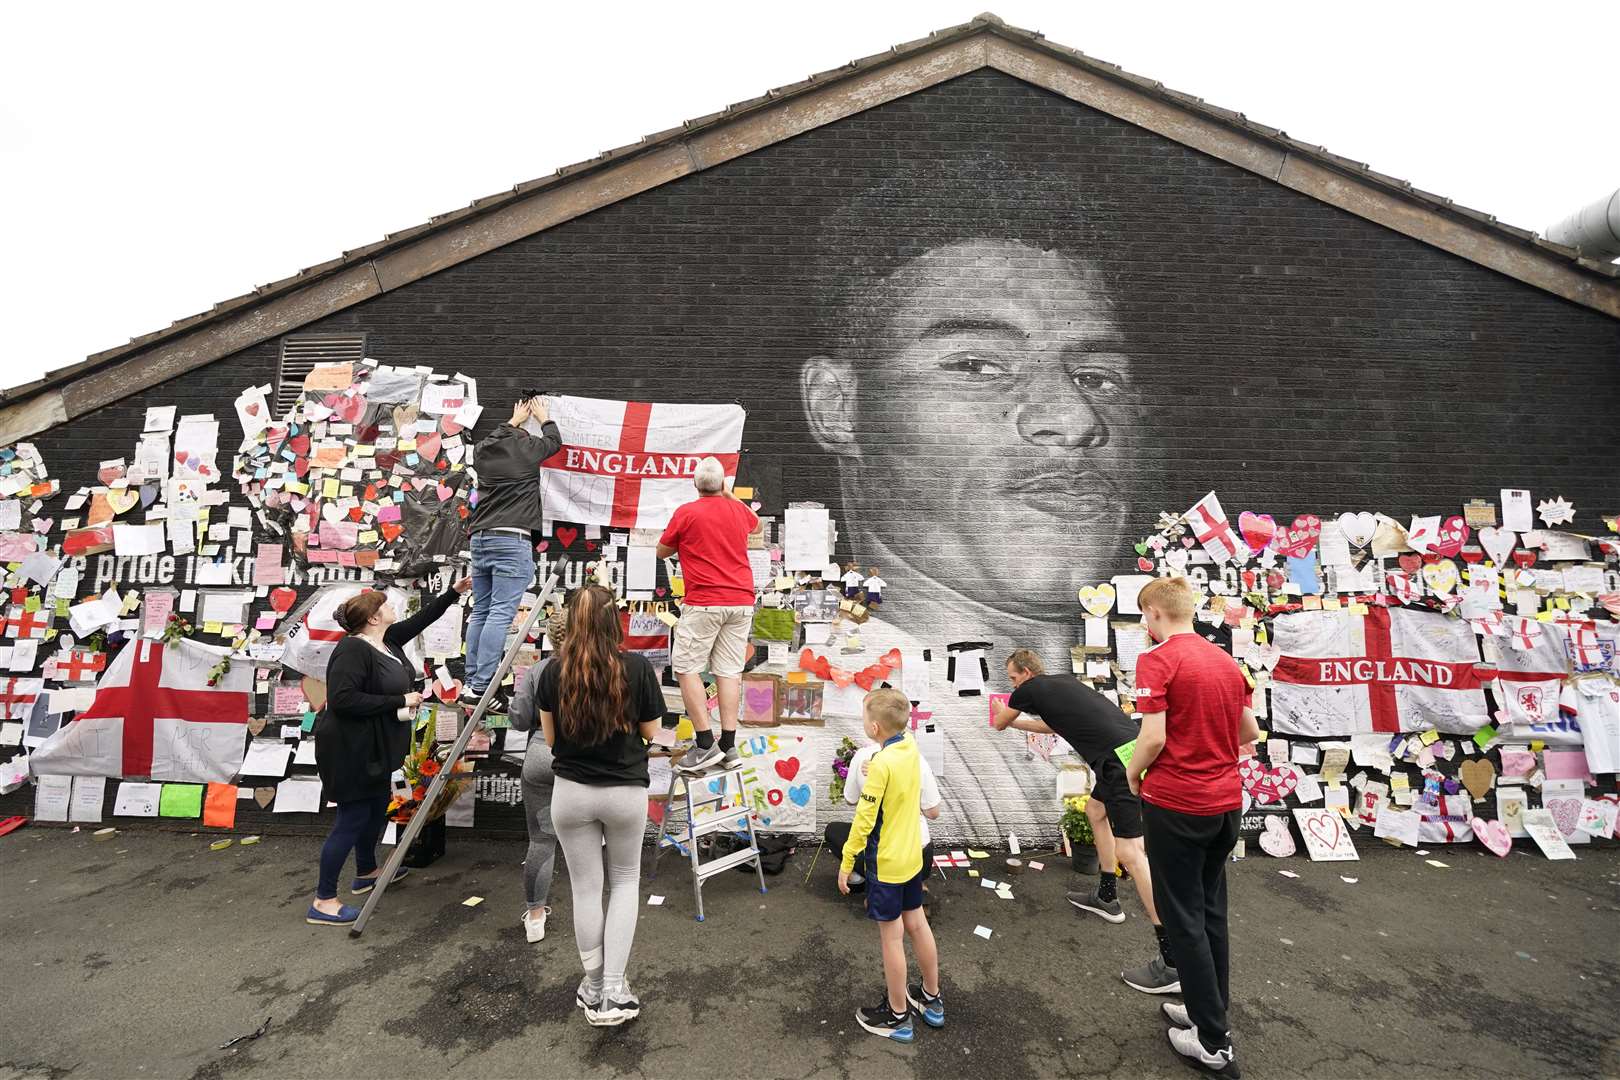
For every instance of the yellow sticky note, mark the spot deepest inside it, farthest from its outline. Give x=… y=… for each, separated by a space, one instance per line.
x=213 y=627
x=1537 y=746
x=973 y=854
x=1544 y=616
x=1429 y=737
x=1399 y=782
x=973 y=873
x=677 y=587
x=472 y=901
x=369 y=536
x=743 y=492
x=329 y=488
x=1330 y=603
x=784 y=583
x=1357 y=609
x=667 y=619
x=1562 y=603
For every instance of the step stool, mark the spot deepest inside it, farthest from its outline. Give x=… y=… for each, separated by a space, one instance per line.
x=731 y=814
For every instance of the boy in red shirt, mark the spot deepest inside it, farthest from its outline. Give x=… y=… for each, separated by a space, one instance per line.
x=1195 y=714
x=710 y=534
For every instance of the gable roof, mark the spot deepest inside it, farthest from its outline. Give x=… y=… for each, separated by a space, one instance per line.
x=984 y=42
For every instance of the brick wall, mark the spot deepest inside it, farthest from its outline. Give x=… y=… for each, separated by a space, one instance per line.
x=1175 y=324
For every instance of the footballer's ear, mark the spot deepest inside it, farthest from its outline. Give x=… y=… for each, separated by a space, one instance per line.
x=827 y=391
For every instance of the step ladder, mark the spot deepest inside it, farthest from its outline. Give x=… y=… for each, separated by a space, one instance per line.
x=730 y=814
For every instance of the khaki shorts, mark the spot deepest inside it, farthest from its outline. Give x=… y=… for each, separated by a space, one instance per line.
x=712 y=639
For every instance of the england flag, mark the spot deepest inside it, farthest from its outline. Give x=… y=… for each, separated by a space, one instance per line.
x=1388 y=670
x=155 y=716
x=315 y=632
x=628 y=464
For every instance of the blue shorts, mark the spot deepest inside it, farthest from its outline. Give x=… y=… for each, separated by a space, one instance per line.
x=885 y=902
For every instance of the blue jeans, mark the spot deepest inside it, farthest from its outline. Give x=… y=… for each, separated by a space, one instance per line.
x=358 y=827
x=502 y=568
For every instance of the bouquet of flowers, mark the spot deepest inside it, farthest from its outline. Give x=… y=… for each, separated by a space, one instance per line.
x=422 y=764
x=840 y=768
x=1075 y=825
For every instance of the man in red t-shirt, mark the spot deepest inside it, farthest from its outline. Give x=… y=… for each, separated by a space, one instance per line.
x=710 y=534
x=1196 y=712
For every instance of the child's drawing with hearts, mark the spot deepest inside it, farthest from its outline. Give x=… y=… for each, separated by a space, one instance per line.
x=1266 y=783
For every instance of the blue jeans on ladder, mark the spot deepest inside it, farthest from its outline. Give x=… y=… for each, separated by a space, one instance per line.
x=502 y=568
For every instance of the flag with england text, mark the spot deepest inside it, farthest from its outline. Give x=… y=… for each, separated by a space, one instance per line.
x=1388 y=670
x=629 y=464
x=154 y=716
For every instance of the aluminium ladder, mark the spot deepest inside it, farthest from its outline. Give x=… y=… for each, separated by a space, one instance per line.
x=731 y=813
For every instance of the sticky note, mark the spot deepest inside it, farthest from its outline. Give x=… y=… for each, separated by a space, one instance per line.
x=974 y=854
x=655 y=901
x=181 y=800
x=219 y=807
x=982 y=931
x=1484 y=736
x=1429 y=737
x=472 y=901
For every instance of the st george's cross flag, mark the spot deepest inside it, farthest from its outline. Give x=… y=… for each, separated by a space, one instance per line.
x=315 y=631
x=629 y=464
x=1388 y=670
x=155 y=716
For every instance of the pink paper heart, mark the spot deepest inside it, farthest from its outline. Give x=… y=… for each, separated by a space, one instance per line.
x=1299 y=539
x=1264 y=783
x=1494 y=835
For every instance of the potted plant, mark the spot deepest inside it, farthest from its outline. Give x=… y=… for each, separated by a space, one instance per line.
x=421 y=765
x=1078 y=836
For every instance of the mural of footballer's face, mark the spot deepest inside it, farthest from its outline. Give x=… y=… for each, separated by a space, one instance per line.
x=980 y=422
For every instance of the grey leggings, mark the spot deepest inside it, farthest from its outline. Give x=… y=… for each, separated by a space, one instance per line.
x=542 y=857
x=583 y=815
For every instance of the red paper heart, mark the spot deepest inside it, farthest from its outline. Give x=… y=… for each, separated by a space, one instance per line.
x=788 y=769
x=356 y=513
x=281 y=599
x=390 y=531
x=566 y=535
x=1145 y=565
x=1264 y=783
x=301 y=466
x=1411 y=562
x=542 y=545
x=1299 y=539
x=1525 y=559
x=1472 y=554
x=1452 y=536
x=449 y=426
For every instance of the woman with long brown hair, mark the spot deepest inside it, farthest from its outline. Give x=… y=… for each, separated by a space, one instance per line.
x=599 y=706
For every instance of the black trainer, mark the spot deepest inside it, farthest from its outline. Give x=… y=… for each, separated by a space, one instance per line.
x=931 y=1007
x=879 y=1020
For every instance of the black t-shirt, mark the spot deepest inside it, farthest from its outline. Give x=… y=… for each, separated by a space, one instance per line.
x=1090 y=723
x=622 y=759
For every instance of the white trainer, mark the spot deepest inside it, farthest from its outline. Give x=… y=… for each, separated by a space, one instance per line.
x=535 y=928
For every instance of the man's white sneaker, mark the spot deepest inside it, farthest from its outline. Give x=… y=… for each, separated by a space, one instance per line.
x=1176 y=1013
x=535 y=928
x=1222 y=1063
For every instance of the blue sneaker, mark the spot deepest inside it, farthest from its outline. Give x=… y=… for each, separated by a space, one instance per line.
x=880 y=1021
x=362 y=885
x=931 y=1007
x=346 y=916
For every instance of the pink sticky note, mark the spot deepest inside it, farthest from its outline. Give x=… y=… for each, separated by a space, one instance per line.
x=997 y=699
x=266 y=621
x=1517 y=761
x=1566 y=765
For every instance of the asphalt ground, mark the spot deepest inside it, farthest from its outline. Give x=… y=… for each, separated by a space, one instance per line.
x=141 y=955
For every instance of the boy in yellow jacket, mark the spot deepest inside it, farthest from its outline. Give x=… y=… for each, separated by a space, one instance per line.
x=886 y=828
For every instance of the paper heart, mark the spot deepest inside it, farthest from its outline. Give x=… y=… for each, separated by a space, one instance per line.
x=1098 y=600
x=1440 y=577
x=1177 y=560
x=43 y=525
x=1263 y=657
x=787 y=768
x=759 y=698
x=255 y=725
x=404 y=417
x=356 y=513
x=1257 y=530
x=1472 y=554
x=1498 y=543
x=1478 y=775
x=660 y=591
x=542 y=545
x=427 y=446
x=1264 y=783
x=1411 y=563
x=149 y=495
x=1566 y=812
x=448 y=425
x=800 y=794
x=566 y=535
x=1494 y=835
x=1141 y=548
x=1145 y=565
x=1452 y=536
x=332 y=512
x=1324 y=828
x=390 y=531
x=282 y=598
x=1358 y=528
x=1524 y=559
x=264 y=796
x=1299 y=539
x=1275 y=839
x=122 y=499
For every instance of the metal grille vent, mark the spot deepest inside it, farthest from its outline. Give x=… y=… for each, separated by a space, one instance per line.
x=301 y=355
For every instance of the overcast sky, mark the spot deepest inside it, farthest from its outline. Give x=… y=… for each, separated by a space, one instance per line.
x=156 y=158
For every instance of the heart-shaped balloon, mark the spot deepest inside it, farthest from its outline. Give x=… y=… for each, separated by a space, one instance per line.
x=1358 y=528
x=1257 y=530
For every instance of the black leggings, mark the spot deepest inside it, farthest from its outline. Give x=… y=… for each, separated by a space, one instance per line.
x=358 y=827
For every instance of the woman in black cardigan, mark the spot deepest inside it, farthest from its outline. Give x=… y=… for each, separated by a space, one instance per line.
x=362 y=737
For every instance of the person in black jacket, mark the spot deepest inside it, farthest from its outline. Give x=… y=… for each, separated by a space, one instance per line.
x=362 y=737
x=505 y=525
